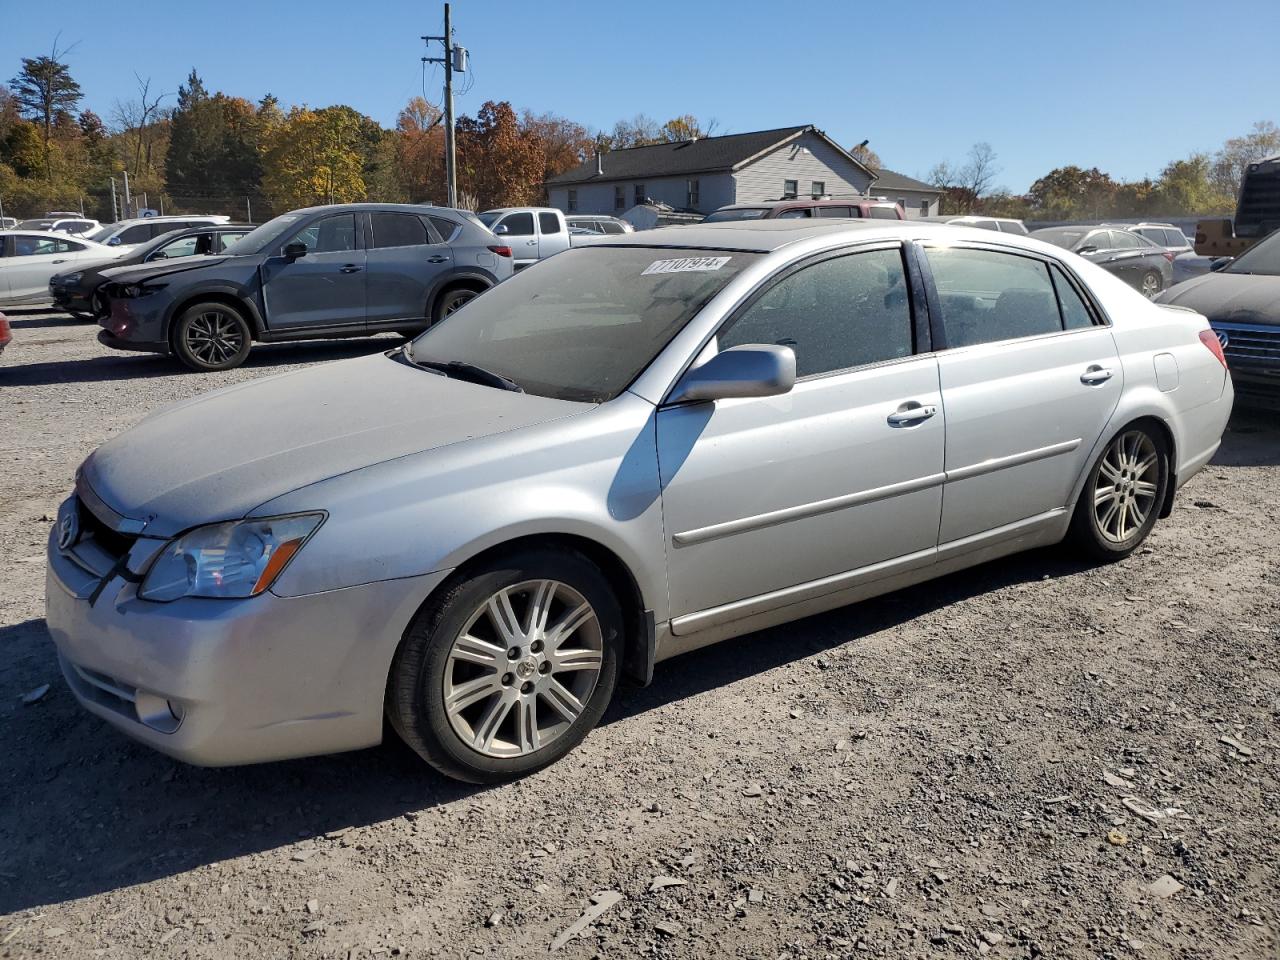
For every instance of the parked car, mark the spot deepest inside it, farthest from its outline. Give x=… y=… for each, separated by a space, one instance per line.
x=338 y=271
x=8 y=223
x=1133 y=258
x=1000 y=224
x=6 y=334
x=1186 y=262
x=130 y=233
x=78 y=293
x=28 y=258
x=72 y=224
x=534 y=233
x=1242 y=302
x=862 y=207
x=599 y=223
x=634 y=450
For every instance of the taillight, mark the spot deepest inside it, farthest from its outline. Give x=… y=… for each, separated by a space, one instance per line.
x=501 y=251
x=1210 y=340
x=1169 y=255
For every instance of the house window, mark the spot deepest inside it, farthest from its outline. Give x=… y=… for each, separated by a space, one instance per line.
x=639 y=193
x=619 y=198
x=924 y=208
x=691 y=194
x=817 y=189
x=789 y=189
x=573 y=200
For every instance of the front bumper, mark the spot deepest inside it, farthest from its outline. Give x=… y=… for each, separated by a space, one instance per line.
x=220 y=682
x=70 y=299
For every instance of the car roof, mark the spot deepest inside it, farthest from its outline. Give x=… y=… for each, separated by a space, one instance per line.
x=807 y=202
x=766 y=236
x=419 y=208
x=51 y=234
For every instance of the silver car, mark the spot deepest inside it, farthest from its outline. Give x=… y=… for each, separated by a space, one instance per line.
x=633 y=450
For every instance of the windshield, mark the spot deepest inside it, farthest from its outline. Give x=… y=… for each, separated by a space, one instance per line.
x=1060 y=238
x=489 y=217
x=38 y=224
x=100 y=235
x=739 y=213
x=583 y=324
x=260 y=238
x=1262 y=258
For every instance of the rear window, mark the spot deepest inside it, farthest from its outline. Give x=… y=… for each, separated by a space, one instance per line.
x=740 y=213
x=883 y=213
x=1059 y=237
x=548 y=223
x=398 y=230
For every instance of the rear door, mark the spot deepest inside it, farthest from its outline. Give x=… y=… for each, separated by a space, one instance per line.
x=324 y=288
x=841 y=473
x=1030 y=378
x=552 y=236
x=406 y=256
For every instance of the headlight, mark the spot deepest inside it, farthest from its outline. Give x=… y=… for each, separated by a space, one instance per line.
x=133 y=291
x=67 y=279
x=237 y=559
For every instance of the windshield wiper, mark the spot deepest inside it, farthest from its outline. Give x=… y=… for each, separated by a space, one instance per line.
x=460 y=370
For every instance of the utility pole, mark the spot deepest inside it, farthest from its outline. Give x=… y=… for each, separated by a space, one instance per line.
x=128 y=203
x=455 y=57
x=115 y=213
x=248 y=211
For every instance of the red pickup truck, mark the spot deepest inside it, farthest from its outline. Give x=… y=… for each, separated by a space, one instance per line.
x=864 y=207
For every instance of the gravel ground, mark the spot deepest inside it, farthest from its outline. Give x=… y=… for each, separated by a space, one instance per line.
x=1034 y=758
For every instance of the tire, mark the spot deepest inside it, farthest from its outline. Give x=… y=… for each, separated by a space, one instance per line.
x=211 y=336
x=465 y=705
x=451 y=301
x=1152 y=284
x=99 y=304
x=1123 y=494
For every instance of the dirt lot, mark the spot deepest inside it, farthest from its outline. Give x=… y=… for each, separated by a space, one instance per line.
x=1002 y=763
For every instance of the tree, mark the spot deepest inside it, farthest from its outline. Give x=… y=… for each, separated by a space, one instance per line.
x=313 y=158
x=565 y=143
x=687 y=127
x=498 y=161
x=42 y=88
x=137 y=119
x=419 y=151
x=1230 y=163
x=1073 y=193
x=639 y=131
x=1186 y=187
x=865 y=156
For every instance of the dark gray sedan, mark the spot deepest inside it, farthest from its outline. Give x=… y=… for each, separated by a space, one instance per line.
x=1133 y=258
x=337 y=271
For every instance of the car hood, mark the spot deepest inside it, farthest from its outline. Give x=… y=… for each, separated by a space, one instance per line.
x=135 y=272
x=1235 y=297
x=218 y=456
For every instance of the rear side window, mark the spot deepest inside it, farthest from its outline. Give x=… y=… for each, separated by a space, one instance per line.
x=518 y=224
x=1124 y=240
x=795 y=214
x=138 y=233
x=1010 y=226
x=398 y=230
x=1075 y=315
x=987 y=296
x=883 y=213
x=839 y=313
x=834 y=212
x=445 y=227
x=608 y=226
x=548 y=223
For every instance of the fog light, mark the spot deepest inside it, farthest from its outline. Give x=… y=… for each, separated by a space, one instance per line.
x=158 y=713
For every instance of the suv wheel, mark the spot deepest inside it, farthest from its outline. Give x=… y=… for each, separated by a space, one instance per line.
x=451 y=301
x=211 y=336
x=508 y=669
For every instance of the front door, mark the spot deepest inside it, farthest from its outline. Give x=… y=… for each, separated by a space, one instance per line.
x=1030 y=377
x=521 y=235
x=324 y=288
x=843 y=472
x=34 y=260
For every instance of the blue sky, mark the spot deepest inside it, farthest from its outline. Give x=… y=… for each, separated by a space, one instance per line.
x=1122 y=85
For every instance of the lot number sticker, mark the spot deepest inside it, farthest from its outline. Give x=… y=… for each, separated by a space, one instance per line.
x=686 y=265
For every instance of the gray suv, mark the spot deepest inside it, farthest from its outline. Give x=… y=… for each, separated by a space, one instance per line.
x=338 y=271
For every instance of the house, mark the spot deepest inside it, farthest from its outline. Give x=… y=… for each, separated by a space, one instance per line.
x=707 y=174
x=918 y=198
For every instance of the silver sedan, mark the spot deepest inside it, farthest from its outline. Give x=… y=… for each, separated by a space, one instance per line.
x=626 y=452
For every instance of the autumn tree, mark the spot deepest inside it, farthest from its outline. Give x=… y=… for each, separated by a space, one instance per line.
x=498 y=161
x=687 y=127
x=865 y=156
x=43 y=88
x=1187 y=187
x=314 y=157
x=1230 y=163
x=565 y=143
x=419 y=149
x=1073 y=193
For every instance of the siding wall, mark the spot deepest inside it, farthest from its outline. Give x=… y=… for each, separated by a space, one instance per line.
x=715 y=190
x=763 y=179
x=910 y=200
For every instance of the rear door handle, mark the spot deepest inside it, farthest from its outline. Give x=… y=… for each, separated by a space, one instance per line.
x=910 y=413
x=1096 y=375
x=63 y=260
x=350 y=268
x=437 y=259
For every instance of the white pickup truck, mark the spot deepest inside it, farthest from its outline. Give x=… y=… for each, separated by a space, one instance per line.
x=534 y=233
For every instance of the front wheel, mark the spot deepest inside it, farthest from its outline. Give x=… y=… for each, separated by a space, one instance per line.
x=509 y=668
x=211 y=336
x=1152 y=284
x=1121 y=499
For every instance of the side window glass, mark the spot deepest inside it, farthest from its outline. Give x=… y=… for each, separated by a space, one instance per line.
x=608 y=226
x=27 y=246
x=844 y=312
x=1125 y=241
x=519 y=224
x=139 y=233
x=331 y=235
x=1075 y=315
x=799 y=213
x=185 y=247
x=446 y=228
x=833 y=212
x=225 y=240
x=398 y=230
x=988 y=296
x=548 y=223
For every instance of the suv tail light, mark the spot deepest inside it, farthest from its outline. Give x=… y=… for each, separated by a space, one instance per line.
x=501 y=251
x=1210 y=339
x=1169 y=255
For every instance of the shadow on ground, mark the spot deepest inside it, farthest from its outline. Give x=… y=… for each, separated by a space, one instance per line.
x=83 y=810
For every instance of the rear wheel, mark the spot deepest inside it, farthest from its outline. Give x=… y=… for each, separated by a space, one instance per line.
x=508 y=669
x=451 y=301
x=1121 y=500
x=211 y=336
x=1152 y=284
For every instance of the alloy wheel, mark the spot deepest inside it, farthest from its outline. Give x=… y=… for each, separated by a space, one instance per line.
x=1150 y=285
x=1125 y=486
x=456 y=302
x=521 y=671
x=213 y=337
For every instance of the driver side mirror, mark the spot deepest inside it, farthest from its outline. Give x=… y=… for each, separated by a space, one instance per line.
x=1220 y=264
x=751 y=370
x=295 y=250
x=500 y=229
x=1087 y=248
x=113 y=242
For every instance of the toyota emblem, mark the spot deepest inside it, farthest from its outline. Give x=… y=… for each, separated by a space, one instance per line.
x=68 y=530
x=1222 y=338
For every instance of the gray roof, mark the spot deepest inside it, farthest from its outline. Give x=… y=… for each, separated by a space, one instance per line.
x=684 y=156
x=892 y=180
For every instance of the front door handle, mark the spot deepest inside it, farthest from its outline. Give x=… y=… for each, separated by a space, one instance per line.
x=531 y=243
x=1096 y=375
x=350 y=268
x=910 y=413
x=63 y=260
x=437 y=259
